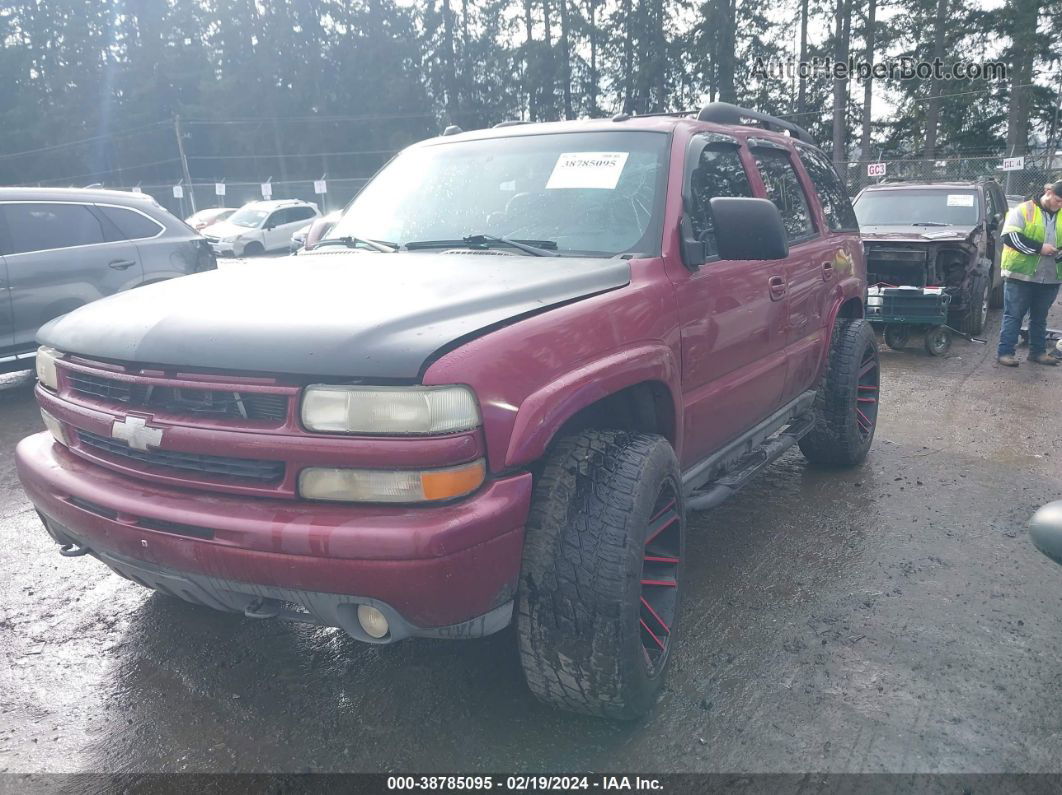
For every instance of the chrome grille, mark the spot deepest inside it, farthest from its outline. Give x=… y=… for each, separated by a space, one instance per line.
x=178 y=400
x=242 y=468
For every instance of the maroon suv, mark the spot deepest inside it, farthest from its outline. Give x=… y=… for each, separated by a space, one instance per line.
x=489 y=395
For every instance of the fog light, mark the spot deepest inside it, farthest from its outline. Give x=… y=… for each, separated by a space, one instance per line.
x=55 y=428
x=372 y=621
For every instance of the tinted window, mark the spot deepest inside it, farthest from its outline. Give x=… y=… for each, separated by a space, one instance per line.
x=36 y=227
x=783 y=188
x=131 y=224
x=836 y=205
x=301 y=214
x=718 y=173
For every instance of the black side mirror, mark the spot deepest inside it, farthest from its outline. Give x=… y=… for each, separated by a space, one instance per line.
x=693 y=253
x=748 y=229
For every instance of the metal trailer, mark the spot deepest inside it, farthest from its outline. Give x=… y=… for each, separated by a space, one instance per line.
x=898 y=311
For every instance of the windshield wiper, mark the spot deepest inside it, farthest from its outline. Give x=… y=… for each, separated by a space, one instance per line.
x=536 y=248
x=352 y=242
x=928 y=223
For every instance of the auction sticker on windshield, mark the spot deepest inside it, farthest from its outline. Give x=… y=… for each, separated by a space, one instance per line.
x=960 y=200
x=587 y=170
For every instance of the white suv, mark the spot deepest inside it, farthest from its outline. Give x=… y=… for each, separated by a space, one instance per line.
x=259 y=227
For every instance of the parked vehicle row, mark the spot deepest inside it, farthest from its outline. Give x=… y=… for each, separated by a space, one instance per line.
x=63 y=248
x=260 y=227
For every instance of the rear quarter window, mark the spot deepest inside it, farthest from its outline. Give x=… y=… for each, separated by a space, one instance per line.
x=131 y=224
x=836 y=205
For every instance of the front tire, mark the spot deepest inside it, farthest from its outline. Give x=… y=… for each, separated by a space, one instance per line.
x=972 y=320
x=600 y=586
x=253 y=249
x=846 y=405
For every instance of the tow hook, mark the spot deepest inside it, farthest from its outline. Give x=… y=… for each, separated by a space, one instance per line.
x=262 y=608
x=72 y=550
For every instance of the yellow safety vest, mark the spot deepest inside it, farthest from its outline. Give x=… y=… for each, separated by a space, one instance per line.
x=1031 y=224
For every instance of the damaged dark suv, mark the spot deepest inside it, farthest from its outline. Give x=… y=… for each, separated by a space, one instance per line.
x=944 y=235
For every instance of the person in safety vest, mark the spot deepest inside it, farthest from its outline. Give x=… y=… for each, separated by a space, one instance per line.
x=1032 y=269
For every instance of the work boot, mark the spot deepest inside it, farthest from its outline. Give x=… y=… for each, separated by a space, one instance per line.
x=1043 y=358
x=1008 y=360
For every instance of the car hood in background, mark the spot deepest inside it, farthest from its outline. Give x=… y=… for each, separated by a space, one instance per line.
x=225 y=229
x=354 y=315
x=920 y=234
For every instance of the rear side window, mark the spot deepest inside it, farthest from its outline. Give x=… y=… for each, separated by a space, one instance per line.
x=280 y=217
x=301 y=213
x=718 y=173
x=783 y=188
x=836 y=205
x=131 y=224
x=42 y=226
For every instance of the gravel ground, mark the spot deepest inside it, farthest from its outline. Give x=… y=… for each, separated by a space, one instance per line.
x=890 y=618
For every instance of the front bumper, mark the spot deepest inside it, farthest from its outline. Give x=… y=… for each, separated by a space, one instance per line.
x=221 y=249
x=449 y=570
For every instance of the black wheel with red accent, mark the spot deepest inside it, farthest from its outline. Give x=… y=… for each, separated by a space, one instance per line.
x=601 y=582
x=846 y=405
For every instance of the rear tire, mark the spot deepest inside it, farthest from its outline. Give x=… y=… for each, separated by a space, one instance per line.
x=847 y=401
x=600 y=586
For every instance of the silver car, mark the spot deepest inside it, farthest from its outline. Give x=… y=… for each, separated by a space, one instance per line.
x=64 y=247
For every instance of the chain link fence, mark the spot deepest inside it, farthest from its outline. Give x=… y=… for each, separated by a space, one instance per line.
x=1025 y=181
x=338 y=192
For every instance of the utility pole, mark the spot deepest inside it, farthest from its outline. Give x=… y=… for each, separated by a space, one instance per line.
x=184 y=160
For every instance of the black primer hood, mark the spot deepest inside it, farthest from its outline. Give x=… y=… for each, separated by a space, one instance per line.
x=348 y=314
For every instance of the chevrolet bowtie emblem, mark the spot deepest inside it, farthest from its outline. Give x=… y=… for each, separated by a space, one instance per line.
x=135 y=432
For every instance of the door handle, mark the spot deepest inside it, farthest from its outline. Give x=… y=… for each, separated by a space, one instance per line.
x=121 y=264
x=827 y=271
x=777 y=287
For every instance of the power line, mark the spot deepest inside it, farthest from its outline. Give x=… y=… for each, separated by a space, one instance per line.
x=294 y=154
x=110 y=171
x=315 y=118
x=81 y=141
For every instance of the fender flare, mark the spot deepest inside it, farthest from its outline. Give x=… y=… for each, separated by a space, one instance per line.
x=843 y=296
x=544 y=412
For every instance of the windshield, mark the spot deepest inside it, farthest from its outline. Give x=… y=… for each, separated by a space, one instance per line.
x=914 y=207
x=596 y=194
x=248 y=217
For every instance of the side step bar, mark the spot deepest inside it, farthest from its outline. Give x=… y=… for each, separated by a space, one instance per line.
x=724 y=488
x=713 y=480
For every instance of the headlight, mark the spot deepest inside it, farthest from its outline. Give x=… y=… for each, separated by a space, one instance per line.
x=377 y=485
x=230 y=239
x=46 y=358
x=389 y=410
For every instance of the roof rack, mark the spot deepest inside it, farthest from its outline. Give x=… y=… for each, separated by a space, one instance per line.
x=511 y=123
x=725 y=113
